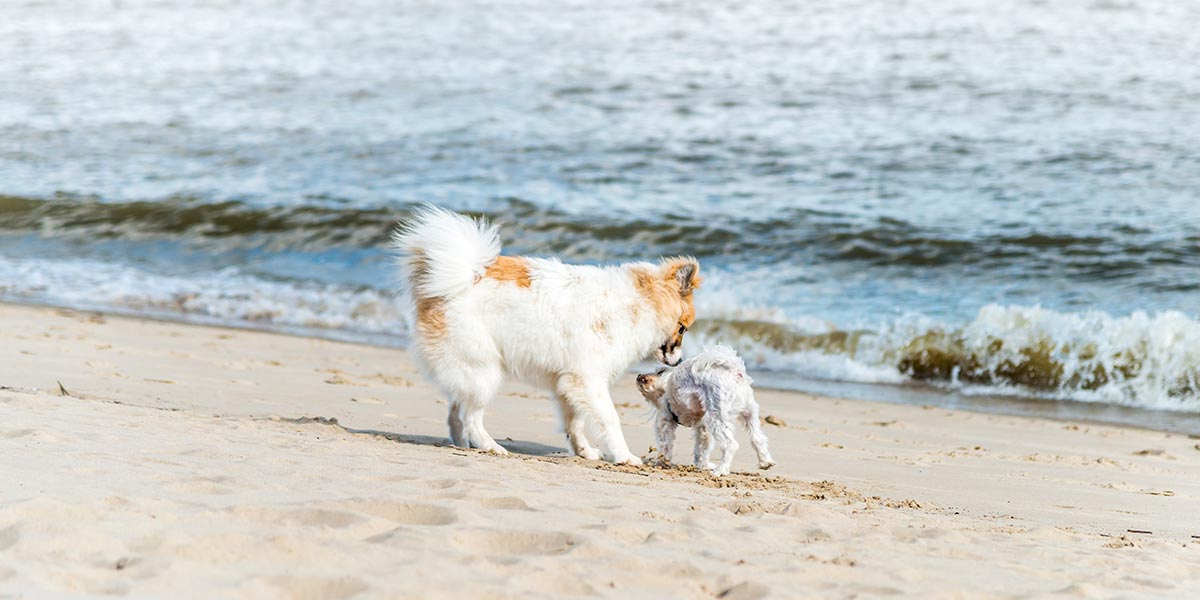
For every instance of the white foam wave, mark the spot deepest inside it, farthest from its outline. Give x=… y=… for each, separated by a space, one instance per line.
x=1143 y=360
x=226 y=296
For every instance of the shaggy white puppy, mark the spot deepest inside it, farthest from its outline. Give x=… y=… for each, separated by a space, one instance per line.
x=706 y=392
x=569 y=329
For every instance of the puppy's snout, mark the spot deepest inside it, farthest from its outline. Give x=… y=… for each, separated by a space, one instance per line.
x=641 y=379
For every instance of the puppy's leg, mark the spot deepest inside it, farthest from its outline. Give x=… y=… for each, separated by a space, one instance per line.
x=664 y=438
x=758 y=439
x=702 y=454
x=575 y=426
x=722 y=433
x=592 y=392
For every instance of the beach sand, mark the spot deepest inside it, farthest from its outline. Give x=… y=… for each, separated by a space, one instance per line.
x=187 y=461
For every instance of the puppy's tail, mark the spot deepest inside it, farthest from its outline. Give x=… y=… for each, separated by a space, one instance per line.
x=719 y=372
x=442 y=252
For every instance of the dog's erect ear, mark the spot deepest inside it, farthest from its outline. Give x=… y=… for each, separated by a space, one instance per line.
x=685 y=272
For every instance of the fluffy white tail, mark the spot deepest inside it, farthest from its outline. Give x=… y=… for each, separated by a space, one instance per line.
x=443 y=252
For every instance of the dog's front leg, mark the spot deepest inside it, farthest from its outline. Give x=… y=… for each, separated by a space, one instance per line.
x=592 y=392
x=664 y=437
x=575 y=426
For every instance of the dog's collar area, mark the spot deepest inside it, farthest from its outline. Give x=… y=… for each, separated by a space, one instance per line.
x=674 y=417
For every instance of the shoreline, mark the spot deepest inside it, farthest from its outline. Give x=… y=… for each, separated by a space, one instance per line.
x=910 y=393
x=207 y=456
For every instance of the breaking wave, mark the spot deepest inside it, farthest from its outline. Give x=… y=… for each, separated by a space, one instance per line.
x=224 y=297
x=1142 y=360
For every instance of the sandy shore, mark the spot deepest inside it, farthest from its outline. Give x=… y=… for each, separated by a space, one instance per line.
x=182 y=460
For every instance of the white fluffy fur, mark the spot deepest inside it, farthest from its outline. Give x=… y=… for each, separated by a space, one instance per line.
x=456 y=248
x=572 y=330
x=707 y=392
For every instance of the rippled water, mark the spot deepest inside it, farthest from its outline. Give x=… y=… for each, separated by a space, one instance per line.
x=995 y=198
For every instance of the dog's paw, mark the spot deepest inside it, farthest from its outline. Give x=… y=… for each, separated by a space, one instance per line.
x=766 y=464
x=496 y=449
x=717 y=472
x=630 y=460
x=589 y=454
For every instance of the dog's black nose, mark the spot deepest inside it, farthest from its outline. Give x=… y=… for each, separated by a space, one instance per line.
x=641 y=379
x=676 y=363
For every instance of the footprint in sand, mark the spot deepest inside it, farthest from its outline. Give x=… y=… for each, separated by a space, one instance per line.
x=9 y=536
x=30 y=433
x=392 y=380
x=204 y=486
x=407 y=513
x=505 y=503
x=314 y=588
x=339 y=378
x=307 y=517
x=509 y=543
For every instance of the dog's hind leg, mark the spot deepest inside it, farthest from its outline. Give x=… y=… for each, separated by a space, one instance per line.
x=722 y=433
x=702 y=454
x=454 y=420
x=468 y=388
x=664 y=436
x=480 y=387
x=758 y=439
x=468 y=369
x=575 y=426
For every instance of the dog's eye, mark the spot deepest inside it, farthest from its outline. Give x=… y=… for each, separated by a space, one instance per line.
x=682 y=329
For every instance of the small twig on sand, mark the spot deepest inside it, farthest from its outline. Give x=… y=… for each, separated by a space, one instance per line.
x=1139 y=531
x=62 y=391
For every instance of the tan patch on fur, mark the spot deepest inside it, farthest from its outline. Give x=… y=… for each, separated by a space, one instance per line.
x=654 y=289
x=431 y=318
x=601 y=329
x=688 y=317
x=672 y=267
x=510 y=268
x=418 y=269
x=661 y=288
x=571 y=387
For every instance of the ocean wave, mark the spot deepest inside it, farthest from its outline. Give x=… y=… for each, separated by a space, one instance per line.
x=225 y=297
x=781 y=235
x=1143 y=360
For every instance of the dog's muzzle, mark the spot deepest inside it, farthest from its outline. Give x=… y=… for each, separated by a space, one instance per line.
x=670 y=356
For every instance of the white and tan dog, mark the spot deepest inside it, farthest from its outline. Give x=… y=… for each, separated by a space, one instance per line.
x=569 y=329
x=707 y=392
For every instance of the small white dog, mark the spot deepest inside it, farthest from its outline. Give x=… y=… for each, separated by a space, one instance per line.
x=569 y=329
x=706 y=392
